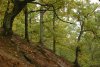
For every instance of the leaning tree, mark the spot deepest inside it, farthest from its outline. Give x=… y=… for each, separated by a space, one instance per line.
x=14 y=7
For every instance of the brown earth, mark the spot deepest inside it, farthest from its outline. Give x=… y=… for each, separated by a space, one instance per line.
x=16 y=52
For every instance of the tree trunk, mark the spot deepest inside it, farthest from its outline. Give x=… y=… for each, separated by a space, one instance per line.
x=11 y=13
x=26 y=24
x=76 y=59
x=78 y=50
x=54 y=39
x=41 y=26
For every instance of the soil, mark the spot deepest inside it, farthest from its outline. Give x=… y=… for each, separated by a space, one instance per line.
x=16 y=52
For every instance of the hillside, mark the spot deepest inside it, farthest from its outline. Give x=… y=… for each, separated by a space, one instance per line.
x=16 y=52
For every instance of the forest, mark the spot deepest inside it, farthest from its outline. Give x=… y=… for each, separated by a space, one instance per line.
x=49 y=33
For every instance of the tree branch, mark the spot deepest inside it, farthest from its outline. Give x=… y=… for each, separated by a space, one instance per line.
x=54 y=10
x=40 y=4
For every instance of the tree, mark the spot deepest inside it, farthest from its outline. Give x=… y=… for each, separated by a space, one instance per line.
x=10 y=14
x=26 y=23
x=42 y=11
x=54 y=38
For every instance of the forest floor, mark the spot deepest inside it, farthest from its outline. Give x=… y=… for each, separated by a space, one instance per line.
x=16 y=52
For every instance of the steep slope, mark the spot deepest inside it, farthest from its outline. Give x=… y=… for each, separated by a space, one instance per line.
x=16 y=52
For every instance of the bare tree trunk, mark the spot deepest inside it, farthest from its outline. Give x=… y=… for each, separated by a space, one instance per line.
x=54 y=39
x=26 y=24
x=78 y=50
x=76 y=59
x=41 y=26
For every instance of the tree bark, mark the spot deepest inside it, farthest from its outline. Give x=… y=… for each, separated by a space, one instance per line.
x=78 y=50
x=54 y=39
x=76 y=59
x=26 y=24
x=41 y=26
x=10 y=14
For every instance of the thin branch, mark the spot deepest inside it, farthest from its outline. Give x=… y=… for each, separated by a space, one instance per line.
x=44 y=10
x=40 y=4
x=94 y=33
x=43 y=4
x=89 y=14
x=35 y=11
x=54 y=10
x=32 y=11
